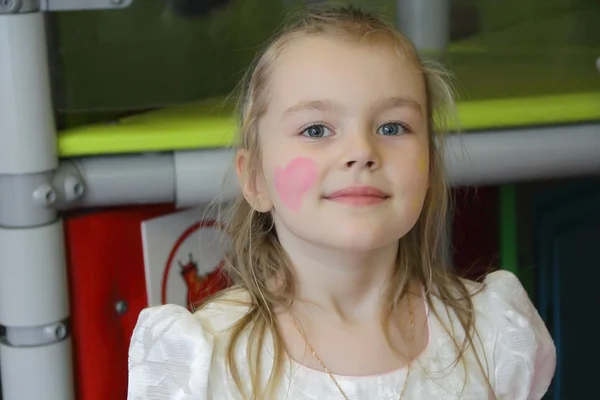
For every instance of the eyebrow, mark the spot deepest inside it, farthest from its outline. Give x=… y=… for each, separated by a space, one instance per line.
x=315 y=105
x=329 y=105
x=398 y=102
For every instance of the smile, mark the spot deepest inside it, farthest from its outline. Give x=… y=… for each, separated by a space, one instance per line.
x=358 y=196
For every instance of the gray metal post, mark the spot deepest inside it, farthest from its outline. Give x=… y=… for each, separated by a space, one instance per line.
x=34 y=310
x=34 y=307
x=427 y=24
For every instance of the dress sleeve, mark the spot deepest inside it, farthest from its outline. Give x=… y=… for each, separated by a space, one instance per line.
x=169 y=356
x=524 y=355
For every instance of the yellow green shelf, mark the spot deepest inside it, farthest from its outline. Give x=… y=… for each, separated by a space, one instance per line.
x=211 y=125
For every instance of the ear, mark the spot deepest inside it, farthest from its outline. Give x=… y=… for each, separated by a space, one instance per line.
x=252 y=183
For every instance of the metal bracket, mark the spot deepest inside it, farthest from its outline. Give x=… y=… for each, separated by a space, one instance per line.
x=68 y=185
x=29 y=6
x=33 y=199
x=35 y=336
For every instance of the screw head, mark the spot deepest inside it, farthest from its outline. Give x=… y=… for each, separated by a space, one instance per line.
x=60 y=331
x=9 y=6
x=121 y=307
x=73 y=187
x=78 y=189
x=44 y=194
x=57 y=331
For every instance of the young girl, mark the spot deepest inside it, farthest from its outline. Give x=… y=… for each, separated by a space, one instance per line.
x=337 y=254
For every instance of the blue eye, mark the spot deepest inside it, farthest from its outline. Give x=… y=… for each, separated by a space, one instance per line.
x=391 y=129
x=316 y=131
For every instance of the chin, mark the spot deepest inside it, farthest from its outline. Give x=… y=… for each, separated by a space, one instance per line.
x=359 y=234
x=361 y=239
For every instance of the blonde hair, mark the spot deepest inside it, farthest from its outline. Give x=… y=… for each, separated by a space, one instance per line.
x=256 y=257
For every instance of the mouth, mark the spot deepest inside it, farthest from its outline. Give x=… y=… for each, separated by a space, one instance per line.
x=358 y=195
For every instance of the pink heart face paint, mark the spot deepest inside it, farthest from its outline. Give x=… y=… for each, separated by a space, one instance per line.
x=293 y=181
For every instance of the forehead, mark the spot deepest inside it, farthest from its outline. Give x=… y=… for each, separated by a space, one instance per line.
x=355 y=75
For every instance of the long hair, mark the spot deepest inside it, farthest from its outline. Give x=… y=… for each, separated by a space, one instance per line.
x=256 y=257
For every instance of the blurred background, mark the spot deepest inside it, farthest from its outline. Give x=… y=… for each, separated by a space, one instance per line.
x=163 y=52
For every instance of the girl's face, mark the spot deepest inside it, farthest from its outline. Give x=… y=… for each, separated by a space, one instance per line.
x=344 y=145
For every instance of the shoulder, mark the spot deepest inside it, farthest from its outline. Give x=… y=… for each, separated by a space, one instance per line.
x=171 y=349
x=503 y=301
x=223 y=311
x=517 y=342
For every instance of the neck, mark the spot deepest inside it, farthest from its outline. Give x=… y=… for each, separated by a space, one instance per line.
x=341 y=284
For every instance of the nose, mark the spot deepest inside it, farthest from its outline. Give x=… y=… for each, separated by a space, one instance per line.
x=361 y=152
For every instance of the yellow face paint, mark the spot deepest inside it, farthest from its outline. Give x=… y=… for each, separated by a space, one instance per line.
x=422 y=164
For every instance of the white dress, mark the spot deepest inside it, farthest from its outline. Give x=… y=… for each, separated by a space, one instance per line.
x=177 y=355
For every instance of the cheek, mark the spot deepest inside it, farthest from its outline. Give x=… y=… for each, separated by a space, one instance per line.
x=293 y=181
x=423 y=164
x=408 y=172
x=421 y=183
x=410 y=176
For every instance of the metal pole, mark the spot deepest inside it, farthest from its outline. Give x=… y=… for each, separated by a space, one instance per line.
x=427 y=24
x=201 y=176
x=213 y=172
x=34 y=310
x=121 y=180
x=520 y=155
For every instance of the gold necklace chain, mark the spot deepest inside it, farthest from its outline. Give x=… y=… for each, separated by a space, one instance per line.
x=410 y=355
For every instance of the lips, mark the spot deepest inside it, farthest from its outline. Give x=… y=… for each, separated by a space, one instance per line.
x=358 y=191
x=358 y=195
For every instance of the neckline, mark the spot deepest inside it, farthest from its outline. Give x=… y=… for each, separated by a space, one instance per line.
x=297 y=367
